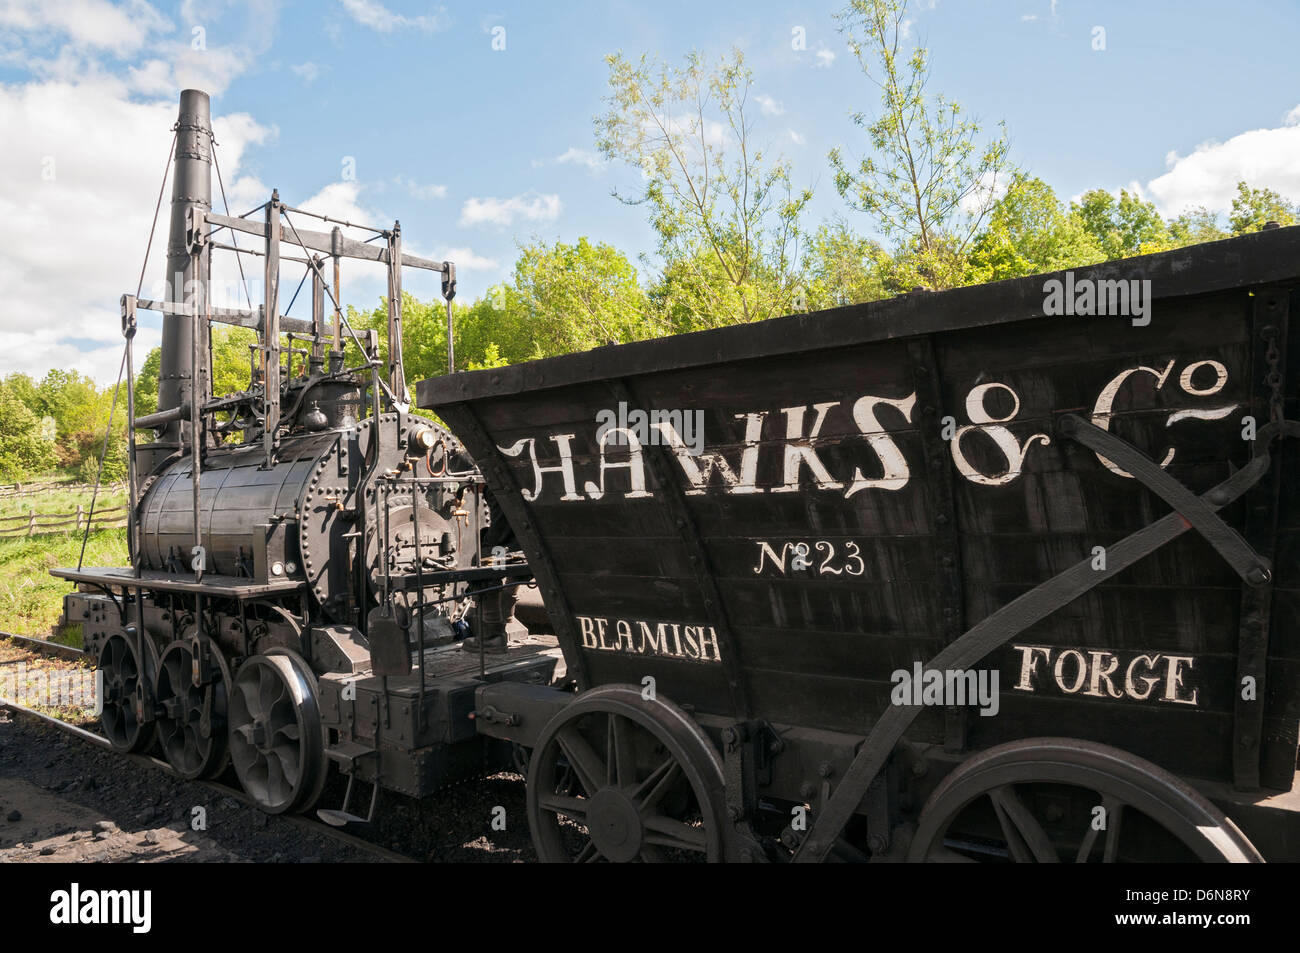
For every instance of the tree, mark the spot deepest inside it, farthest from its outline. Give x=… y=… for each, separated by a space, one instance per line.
x=1121 y=228
x=1029 y=233
x=146 y=383
x=22 y=450
x=842 y=267
x=576 y=297
x=726 y=217
x=928 y=184
x=1252 y=208
x=1195 y=226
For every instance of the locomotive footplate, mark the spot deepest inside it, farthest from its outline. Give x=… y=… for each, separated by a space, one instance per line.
x=234 y=587
x=378 y=729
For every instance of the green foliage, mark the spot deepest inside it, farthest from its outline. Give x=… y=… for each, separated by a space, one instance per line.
x=232 y=360
x=92 y=445
x=33 y=599
x=842 y=267
x=575 y=297
x=1193 y=227
x=146 y=384
x=1028 y=233
x=726 y=216
x=22 y=449
x=1121 y=228
x=927 y=183
x=1252 y=208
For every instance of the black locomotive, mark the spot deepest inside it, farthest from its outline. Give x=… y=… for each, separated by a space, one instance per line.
x=301 y=549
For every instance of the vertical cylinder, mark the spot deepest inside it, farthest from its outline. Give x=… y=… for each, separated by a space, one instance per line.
x=191 y=188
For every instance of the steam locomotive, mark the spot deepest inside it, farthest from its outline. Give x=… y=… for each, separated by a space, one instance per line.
x=304 y=552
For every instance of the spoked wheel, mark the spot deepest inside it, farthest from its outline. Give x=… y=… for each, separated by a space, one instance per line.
x=618 y=778
x=276 y=740
x=1046 y=800
x=128 y=709
x=191 y=691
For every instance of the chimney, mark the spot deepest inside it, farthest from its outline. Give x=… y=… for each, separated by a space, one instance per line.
x=179 y=381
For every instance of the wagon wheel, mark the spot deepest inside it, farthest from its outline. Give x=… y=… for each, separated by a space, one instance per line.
x=1042 y=800
x=127 y=706
x=192 y=702
x=276 y=738
x=646 y=783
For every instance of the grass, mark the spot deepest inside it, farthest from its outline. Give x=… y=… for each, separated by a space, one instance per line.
x=31 y=600
x=61 y=501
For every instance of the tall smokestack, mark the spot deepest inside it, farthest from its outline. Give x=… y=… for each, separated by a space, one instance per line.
x=186 y=279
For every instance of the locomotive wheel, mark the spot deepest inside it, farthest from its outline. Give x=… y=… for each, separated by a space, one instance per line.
x=126 y=700
x=192 y=717
x=276 y=738
x=1013 y=802
x=618 y=778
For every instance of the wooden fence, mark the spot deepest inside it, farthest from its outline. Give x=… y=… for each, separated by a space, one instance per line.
x=11 y=490
x=39 y=524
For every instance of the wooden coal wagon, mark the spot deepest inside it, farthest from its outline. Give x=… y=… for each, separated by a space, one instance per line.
x=1004 y=572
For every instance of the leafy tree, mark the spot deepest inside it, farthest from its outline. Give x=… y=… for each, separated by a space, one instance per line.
x=727 y=218
x=841 y=267
x=1124 y=227
x=22 y=450
x=575 y=297
x=927 y=184
x=1252 y=208
x=92 y=445
x=25 y=389
x=146 y=383
x=1029 y=233
x=1195 y=226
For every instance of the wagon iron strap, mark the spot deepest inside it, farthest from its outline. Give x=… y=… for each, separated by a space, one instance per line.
x=1059 y=591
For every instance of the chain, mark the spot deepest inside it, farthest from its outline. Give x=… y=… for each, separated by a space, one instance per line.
x=1273 y=356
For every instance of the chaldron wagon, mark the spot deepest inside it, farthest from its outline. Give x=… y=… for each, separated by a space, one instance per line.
x=1001 y=573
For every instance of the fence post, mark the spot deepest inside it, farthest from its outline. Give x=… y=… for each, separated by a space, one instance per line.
x=77 y=525
x=31 y=523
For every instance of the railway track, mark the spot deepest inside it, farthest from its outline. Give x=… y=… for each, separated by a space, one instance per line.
x=301 y=822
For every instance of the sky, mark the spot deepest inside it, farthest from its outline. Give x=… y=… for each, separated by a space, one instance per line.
x=472 y=124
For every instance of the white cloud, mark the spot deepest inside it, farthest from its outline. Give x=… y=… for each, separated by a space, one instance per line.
x=308 y=72
x=84 y=34
x=825 y=58
x=94 y=24
x=505 y=212
x=378 y=17
x=1028 y=17
x=581 y=157
x=1264 y=158
x=419 y=191
x=77 y=208
x=466 y=260
x=795 y=137
x=769 y=106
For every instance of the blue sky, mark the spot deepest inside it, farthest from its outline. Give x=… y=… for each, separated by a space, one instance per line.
x=476 y=149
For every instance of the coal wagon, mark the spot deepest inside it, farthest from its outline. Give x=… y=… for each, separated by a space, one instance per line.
x=1007 y=572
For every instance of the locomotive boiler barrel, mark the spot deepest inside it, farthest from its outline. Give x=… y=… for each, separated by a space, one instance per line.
x=240 y=499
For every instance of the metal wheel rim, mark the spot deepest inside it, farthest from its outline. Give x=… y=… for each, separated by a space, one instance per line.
x=275 y=733
x=1123 y=783
x=616 y=804
x=190 y=751
x=123 y=680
